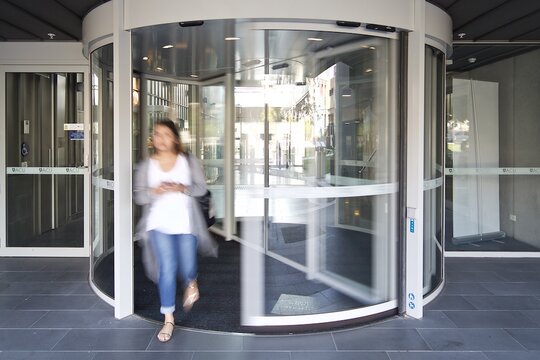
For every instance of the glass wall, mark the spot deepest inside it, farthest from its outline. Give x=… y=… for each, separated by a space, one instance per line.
x=102 y=170
x=44 y=158
x=433 y=167
x=316 y=159
x=493 y=167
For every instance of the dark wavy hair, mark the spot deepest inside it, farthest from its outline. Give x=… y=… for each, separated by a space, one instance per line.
x=172 y=126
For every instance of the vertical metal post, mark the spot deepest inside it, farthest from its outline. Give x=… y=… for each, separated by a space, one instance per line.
x=413 y=294
x=123 y=212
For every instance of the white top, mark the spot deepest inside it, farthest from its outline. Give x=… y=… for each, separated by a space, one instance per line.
x=169 y=213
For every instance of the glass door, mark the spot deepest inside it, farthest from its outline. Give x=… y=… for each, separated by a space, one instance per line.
x=45 y=163
x=316 y=174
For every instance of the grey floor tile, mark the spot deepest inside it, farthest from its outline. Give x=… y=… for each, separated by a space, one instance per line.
x=55 y=302
x=490 y=319
x=450 y=302
x=497 y=302
x=145 y=355
x=513 y=355
x=91 y=319
x=27 y=340
x=242 y=355
x=464 y=289
x=47 y=288
x=19 y=319
x=529 y=338
x=73 y=276
x=67 y=264
x=519 y=276
x=472 y=277
x=9 y=302
x=469 y=339
x=379 y=339
x=533 y=315
x=105 y=339
x=518 y=289
x=290 y=342
x=31 y=276
x=101 y=305
x=22 y=264
x=188 y=340
x=45 y=355
x=431 y=319
x=340 y=355
x=437 y=355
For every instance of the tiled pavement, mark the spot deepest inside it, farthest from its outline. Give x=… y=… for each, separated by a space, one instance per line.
x=489 y=310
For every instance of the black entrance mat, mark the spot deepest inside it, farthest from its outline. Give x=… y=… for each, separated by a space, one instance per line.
x=219 y=284
x=287 y=290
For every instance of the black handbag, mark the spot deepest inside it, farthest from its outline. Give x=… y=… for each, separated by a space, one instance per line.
x=207 y=209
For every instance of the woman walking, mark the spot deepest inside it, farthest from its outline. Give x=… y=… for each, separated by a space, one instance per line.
x=166 y=184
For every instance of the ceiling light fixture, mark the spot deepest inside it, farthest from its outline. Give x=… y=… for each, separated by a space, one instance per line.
x=159 y=69
x=314 y=39
x=369 y=70
x=232 y=38
x=167 y=46
x=471 y=60
x=145 y=58
x=194 y=75
x=461 y=35
x=51 y=35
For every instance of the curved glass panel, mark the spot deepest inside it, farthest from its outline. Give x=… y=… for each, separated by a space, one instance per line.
x=315 y=161
x=433 y=168
x=102 y=170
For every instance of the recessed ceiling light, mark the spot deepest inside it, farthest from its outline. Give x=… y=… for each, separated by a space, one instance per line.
x=51 y=35
x=145 y=58
x=168 y=46
x=471 y=60
x=194 y=75
x=369 y=70
x=461 y=35
x=159 y=69
x=314 y=39
x=232 y=38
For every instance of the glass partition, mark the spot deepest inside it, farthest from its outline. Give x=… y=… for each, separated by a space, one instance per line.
x=433 y=168
x=492 y=151
x=315 y=159
x=45 y=160
x=102 y=170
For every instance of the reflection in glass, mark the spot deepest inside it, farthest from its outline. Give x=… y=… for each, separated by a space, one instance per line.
x=102 y=170
x=433 y=168
x=315 y=159
x=312 y=118
x=44 y=205
x=492 y=156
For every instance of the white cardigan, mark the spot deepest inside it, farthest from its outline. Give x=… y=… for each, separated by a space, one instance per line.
x=142 y=195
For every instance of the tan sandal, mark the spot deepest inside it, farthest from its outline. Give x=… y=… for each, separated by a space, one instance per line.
x=191 y=295
x=165 y=335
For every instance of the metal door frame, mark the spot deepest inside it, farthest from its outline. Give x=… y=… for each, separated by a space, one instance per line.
x=49 y=251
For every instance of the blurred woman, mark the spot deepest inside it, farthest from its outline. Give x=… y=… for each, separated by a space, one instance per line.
x=166 y=184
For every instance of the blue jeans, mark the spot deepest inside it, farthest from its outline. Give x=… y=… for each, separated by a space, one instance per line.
x=177 y=257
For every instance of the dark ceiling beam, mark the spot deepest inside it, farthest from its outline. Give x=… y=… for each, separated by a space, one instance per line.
x=515 y=21
x=41 y=20
x=480 y=16
x=68 y=9
x=496 y=58
x=20 y=29
x=453 y=4
x=525 y=34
